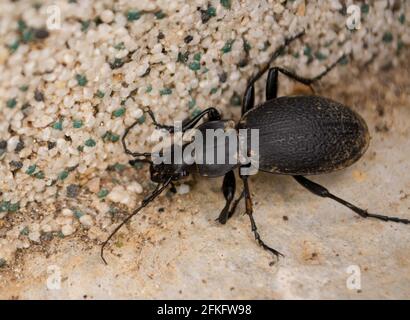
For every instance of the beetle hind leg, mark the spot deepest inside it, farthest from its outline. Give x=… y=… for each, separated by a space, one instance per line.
x=323 y=192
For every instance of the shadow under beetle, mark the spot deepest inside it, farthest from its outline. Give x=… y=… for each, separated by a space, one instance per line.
x=298 y=136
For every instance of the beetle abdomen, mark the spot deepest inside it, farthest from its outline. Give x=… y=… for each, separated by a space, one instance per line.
x=306 y=135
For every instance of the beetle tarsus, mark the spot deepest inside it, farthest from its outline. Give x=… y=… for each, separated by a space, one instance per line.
x=258 y=239
x=249 y=212
x=365 y=214
x=224 y=215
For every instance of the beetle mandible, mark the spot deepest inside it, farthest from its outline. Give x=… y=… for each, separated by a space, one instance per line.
x=298 y=136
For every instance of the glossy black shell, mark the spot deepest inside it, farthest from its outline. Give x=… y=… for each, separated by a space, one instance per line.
x=302 y=135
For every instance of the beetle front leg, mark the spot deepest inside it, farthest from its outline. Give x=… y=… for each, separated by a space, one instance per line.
x=318 y=190
x=135 y=161
x=213 y=114
x=170 y=129
x=249 y=212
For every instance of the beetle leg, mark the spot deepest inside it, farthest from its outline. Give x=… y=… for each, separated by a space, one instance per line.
x=213 y=114
x=228 y=189
x=170 y=129
x=235 y=204
x=231 y=211
x=135 y=161
x=276 y=54
x=249 y=212
x=128 y=151
x=323 y=192
x=248 y=101
x=272 y=84
x=249 y=97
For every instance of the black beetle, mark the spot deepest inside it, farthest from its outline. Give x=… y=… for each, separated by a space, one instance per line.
x=299 y=135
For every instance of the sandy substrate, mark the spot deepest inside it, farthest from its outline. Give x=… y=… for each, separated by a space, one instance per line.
x=183 y=253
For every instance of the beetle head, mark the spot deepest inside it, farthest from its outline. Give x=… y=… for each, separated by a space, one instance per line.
x=162 y=172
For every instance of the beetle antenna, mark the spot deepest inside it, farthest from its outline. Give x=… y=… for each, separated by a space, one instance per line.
x=128 y=151
x=158 y=190
x=170 y=129
x=276 y=54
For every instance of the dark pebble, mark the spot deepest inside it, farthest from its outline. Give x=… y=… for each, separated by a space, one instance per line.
x=3 y=144
x=73 y=190
x=147 y=72
x=25 y=108
x=19 y=146
x=38 y=95
x=343 y=10
x=161 y=209
x=188 y=39
x=3 y=147
x=243 y=63
x=48 y=236
x=41 y=33
x=223 y=77
x=205 y=16
x=70 y=169
x=160 y=35
x=387 y=66
x=98 y=21
x=118 y=63
x=51 y=145
x=183 y=57
x=16 y=164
